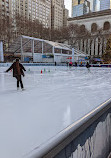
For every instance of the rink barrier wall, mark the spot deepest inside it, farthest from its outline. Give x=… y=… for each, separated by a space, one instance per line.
x=33 y=64
x=53 y=64
x=89 y=137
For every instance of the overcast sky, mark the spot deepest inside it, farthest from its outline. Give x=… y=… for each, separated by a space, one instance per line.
x=68 y=4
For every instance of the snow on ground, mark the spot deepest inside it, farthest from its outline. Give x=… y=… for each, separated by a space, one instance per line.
x=52 y=101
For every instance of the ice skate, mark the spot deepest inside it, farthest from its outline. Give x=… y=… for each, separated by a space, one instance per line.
x=23 y=89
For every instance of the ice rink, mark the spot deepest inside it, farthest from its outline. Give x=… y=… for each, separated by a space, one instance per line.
x=51 y=101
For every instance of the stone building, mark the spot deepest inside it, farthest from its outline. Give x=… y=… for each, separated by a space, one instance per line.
x=98 y=25
x=57 y=14
x=31 y=9
x=65 y=17
x=4 y=8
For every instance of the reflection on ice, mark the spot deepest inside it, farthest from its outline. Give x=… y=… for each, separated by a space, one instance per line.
x=67 y=116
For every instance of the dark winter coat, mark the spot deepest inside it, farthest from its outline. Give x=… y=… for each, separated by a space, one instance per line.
x=88 y=65
x=14 y=68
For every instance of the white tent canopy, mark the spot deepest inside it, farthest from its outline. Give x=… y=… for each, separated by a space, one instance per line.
x=36 y=48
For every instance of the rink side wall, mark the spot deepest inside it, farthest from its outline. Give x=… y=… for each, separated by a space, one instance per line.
x=89 y=137
x=53 y=64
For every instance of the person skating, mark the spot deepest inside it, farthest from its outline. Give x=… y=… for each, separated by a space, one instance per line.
x=18 y=72
x=75 y=64
x=88 y=66
x=70 y=63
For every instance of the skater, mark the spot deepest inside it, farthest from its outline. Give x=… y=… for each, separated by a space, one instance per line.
x=81 y=64
x=75 y=64
x=88 y=66
x=70 y=63
x=18 y=70
x=67 y=63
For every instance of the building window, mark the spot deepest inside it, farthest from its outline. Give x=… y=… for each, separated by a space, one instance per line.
x=82 y=29
x=106 y=26
x=94 y=27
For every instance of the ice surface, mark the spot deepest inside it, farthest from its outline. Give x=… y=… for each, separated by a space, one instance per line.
x=52 y=101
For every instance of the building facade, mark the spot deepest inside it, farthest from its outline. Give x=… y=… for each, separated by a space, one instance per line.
x=51 y=13
x=82 y=7
x=96 y=5
x=4 y=8
x=99 y=5
x=98 y=25
x=75 y=7
x=105 y=4
x=77 y=2
x=57 y=14
x=31 y=9
x=65 y=17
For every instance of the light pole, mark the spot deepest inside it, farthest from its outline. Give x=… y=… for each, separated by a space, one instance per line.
x=1 y=51
x=72 y=55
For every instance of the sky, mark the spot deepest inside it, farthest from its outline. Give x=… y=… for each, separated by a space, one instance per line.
x=68 y=4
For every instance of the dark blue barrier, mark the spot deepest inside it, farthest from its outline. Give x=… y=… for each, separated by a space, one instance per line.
x=100 y=65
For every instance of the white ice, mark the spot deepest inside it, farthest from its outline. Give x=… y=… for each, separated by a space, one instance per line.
x=52 y=101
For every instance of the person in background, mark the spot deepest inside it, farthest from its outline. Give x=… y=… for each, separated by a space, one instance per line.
x=18 y=72
x=70 y=63
x=81 y=63
x=75 y=64
x=88 y=66
x=67 y=63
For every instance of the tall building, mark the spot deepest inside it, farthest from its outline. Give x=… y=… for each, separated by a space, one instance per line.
x=96 y=5
x=91 y=5
x=77 y=2
x=4 y=8
x=82 y=7
x=105 y=4
x=41 y=10
x=32 y=9
x=65 y=16
x=57 y=14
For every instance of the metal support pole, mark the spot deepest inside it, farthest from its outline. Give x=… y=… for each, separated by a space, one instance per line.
x=1 y=52
x=32 y=49
x=53 y=50
x=73 y=55
x=42 y=47
x=21 y=50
